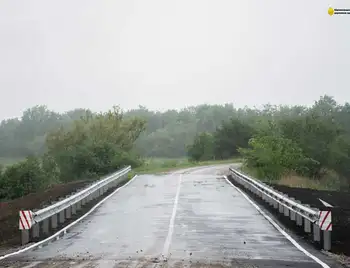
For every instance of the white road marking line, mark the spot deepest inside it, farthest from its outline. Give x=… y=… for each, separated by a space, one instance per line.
x=64 y=230
x=295 y=243
x=172 y=221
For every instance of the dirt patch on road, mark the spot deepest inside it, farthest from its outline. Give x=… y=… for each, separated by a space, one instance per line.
x=9 y=233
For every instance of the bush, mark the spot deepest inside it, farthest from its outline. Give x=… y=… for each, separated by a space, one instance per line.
x=23 y=178
x=202 y=148
x=95 y=145
x=231 y=136
x=273 y=156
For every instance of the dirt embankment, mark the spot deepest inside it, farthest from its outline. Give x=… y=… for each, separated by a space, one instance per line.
x=9 y=219
x=340 y=211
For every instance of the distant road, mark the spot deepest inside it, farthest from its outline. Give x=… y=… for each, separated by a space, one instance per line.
x=189 y=218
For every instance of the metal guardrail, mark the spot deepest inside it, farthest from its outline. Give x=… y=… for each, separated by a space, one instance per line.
x=302 y=214
x=50 y=217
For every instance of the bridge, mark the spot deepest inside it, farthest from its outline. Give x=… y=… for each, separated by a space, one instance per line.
x=189 y=218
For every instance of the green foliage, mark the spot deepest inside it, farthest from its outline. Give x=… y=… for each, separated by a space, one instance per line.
x=311 y=142
x=223 y=143
x=94 y=145
x=82 y=144
x=202 y=148
x=272 y=156
x=231 y=136
x=22 y=178
x=339 y=152
x=169 y=134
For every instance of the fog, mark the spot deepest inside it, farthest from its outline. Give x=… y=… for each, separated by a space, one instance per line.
x=170 y=54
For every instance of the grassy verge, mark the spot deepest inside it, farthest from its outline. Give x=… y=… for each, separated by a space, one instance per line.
x=159 y=165
x=330 y=181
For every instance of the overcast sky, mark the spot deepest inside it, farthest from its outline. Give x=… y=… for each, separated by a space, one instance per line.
x=170 y=53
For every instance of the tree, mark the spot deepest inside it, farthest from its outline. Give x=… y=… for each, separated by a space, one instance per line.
x=202 y=147
x=231 y=136
x=23 y=178
x=95 y=145
x=273 y=156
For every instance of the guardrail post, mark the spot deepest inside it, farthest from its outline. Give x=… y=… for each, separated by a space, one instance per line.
x=299 y=219
x=327 y=241
x=292 y=212
x=35 y=230
x=79 y=205
x=292 y=215
x=264 y=196
x=317 y=232
x=270 y=201
x=68 y=212
x=286 y=211
x=25 y=236
x=307 y=226
x=61 y=217
x=275 y=204
x=280 y=208
x=74 y=209
x=45 y=226
x=54 y=221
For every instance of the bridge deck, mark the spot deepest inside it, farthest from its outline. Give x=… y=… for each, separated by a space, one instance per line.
x=177 y=220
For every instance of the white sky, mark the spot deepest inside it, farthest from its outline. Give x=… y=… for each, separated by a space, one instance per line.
x=170 y=53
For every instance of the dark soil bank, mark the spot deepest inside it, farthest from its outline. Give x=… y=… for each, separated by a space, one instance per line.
x=9 y=219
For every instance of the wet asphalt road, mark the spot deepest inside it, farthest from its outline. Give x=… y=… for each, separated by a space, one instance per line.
x=190 y=218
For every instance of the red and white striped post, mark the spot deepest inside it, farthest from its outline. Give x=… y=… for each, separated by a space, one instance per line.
x=325 y=223
x=26 y=222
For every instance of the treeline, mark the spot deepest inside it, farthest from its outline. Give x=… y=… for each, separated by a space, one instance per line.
x=166 y=133
x=274 y=140
x=94 y=145
x=279 y=140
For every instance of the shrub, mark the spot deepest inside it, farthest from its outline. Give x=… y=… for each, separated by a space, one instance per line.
x=23 y=178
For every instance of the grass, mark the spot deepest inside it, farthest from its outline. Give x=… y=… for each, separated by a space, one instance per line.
x=160 y=165
x=330 y=181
